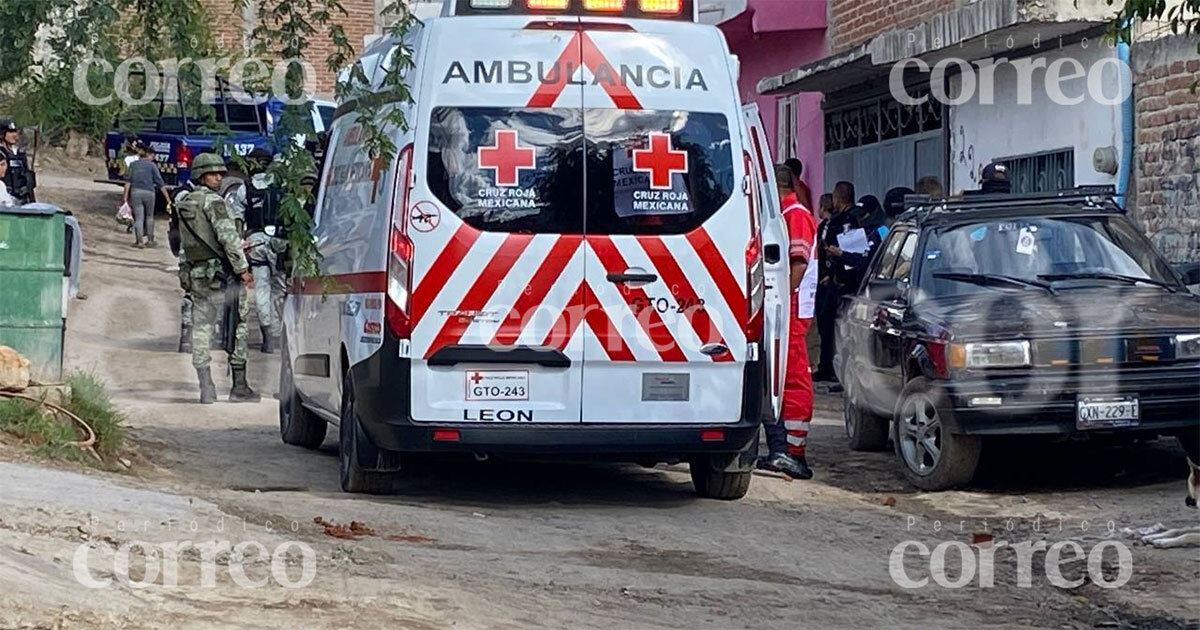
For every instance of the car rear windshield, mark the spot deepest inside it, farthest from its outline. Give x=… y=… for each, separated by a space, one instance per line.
x=1066 y=251
x=517 y=170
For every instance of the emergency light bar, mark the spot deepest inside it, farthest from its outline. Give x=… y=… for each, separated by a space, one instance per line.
x=653 y=9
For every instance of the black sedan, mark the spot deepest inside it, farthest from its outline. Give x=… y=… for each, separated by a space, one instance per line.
x=1015 y=315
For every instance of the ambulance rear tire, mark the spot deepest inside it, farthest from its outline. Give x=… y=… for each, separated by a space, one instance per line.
x=716 y=484
x=298 y=425
x=351 y=476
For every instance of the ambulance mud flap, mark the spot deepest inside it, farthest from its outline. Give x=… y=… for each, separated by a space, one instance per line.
x=381 y=391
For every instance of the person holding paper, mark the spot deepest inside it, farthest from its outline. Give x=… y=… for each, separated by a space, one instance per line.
x=788 y=440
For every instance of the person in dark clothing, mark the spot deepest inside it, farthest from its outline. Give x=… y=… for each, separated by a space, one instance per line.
x=993 y=181
x=867 y=215
x=893 y=203
x=830 y=281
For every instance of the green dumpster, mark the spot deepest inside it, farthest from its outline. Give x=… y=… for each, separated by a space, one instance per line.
x=33 y=287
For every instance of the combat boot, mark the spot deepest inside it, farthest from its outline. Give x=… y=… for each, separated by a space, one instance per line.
x=208 y=389
x=185 y=339
x=270 y=345
x=241 y=391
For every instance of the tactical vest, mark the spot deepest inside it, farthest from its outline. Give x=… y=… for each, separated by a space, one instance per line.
x=196 y=231
x=262 y=204
x=19 y=179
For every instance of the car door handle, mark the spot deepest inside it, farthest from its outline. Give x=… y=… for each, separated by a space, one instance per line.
x=637 y=278
x=772 y=254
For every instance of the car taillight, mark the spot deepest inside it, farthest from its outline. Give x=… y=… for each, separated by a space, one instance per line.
x=400 y=254
x=604 y=5
x=673 y=7
x=183 y=157
x=755 y=276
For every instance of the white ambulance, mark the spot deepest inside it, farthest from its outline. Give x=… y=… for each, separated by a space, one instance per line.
x=576 y=252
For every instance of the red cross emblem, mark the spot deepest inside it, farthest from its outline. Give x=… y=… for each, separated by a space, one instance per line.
x=507 y=158
x=660 y=160
x=476 y=378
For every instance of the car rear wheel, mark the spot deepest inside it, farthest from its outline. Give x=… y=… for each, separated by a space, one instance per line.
x=713 y=484
x=867 y=431
x=297 y=425
x=353 y=477
x=933 y=458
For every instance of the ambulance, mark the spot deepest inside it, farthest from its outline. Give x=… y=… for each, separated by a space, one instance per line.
x=576 y=252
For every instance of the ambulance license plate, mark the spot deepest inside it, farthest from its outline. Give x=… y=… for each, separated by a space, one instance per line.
x=1107 y=413
x=497 y=385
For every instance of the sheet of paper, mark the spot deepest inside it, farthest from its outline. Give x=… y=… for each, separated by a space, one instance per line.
x=854 y=242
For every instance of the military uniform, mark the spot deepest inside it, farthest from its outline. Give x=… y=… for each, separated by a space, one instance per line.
x=255 y=202
x=212 y=246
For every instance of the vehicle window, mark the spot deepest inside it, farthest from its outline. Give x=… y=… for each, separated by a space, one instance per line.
x=326 y=113
x=884 y=264
x=904 y=262
x=656 y=172
x=1060 y=250
x=509 y=170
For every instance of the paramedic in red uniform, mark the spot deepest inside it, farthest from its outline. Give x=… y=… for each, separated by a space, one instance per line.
x=788 y=440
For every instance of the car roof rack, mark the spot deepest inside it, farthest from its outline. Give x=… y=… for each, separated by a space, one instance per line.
x=1102 y=198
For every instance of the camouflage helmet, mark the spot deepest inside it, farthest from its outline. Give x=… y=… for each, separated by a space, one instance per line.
x=206 y=163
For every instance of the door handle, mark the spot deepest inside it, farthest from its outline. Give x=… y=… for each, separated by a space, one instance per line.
x=771 y=253
x=633 y=278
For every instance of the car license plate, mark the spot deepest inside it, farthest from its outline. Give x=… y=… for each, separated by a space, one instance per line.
x=1107 y=413
x=497 y=385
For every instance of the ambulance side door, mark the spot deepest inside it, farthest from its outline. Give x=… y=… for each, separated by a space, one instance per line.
x=776 y=306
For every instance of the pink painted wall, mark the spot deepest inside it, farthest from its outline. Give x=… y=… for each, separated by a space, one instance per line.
x=770 y=53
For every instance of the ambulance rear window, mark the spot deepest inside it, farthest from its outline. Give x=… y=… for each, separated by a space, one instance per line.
x=522 y=170
x=509 y=170
x=656 y=172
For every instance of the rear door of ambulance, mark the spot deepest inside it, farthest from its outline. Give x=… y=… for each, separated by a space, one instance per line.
x=496 y=223
x=668 y=226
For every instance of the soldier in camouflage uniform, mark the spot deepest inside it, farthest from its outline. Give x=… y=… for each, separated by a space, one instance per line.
x=213 y=249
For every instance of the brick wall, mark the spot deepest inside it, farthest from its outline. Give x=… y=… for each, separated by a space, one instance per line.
x=1167 y=165
x=230 y=27
x=852 y=22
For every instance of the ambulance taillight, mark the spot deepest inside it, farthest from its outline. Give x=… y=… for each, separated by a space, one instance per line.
x=400 y=255
x=755 y=275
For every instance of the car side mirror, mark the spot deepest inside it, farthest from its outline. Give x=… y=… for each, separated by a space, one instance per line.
x=886 y=291
x=1190 y=272
x=772 y=254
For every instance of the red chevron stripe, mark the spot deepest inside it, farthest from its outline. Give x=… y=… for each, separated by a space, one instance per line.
x=651 y=322
x=714 y=262
x=602 y=326
x=539 y=287
x=568 y=321
x=443 y=266
x=683 y=291
x=482 y=290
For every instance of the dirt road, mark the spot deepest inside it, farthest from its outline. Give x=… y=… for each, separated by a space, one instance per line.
x=517 y=546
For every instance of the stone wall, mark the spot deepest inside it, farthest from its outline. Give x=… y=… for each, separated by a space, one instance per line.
x=1167 y=164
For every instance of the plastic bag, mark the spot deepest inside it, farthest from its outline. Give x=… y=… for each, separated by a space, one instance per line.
x=125 y=214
